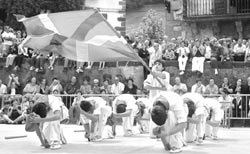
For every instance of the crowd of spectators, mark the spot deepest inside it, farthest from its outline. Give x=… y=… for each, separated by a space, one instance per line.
x=12 y=48
x=196 y=51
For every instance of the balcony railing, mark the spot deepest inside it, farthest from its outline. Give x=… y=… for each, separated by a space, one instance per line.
x=211 y=8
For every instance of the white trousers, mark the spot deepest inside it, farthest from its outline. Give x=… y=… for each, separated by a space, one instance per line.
x=175 y=140
x=216 y=117
x=127 y=122
x=198 y=64
x=53 y=131
x=196 y=130
x=182 y=63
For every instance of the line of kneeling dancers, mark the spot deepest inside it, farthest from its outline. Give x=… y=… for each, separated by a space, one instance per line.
x=175 y=120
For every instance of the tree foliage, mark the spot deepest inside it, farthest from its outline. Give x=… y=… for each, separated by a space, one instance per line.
x=33 y=7
x=151 y=26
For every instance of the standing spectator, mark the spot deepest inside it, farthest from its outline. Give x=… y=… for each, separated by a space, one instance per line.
x=52 y=59
x=8 y=36
x=117 y=88
x=239 y=51
x=198 y=57
x=179 y=88
x=130 y=87
x=226 y=84
x=155 y=53
x=31 y=87
x=211 y=88
x=247 y=91
x=208 y=49
x=217 y=51
x=74 y=111
x=44 y=87
x=14 y=86
x=247 y=54
x=183 y=52
x=198 y=87
x=226 y=54
x=106 y=86
x=55 y=85
x=22 y=53
x=86 y=87
x=96 y=87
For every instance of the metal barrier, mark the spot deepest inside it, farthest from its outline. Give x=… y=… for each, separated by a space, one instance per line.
x=238 y=108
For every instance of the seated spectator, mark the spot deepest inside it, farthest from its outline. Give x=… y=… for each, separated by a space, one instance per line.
x=14 y=86
x=106 y=86
x=117 y=88
x=55 y=85
x=86 y=87
x=44 y=87
x=198 y=87
x=39 y=63
x=68 y=64
x=31 y=87
x=8 y=36
x=169 y=53
x=15 y=111
x=3 y=88
x=179 y=88
x=226 y=84
x=1 y=45
x=198 y=57
x=72 y=86
x=239 y=51
x=211 y=88
x=182 y=52
x=130 y=87
x=226 y=54
x=4 y=115
x=52 y=59
x=247 y=54
x=96 y=88
x=12 y=54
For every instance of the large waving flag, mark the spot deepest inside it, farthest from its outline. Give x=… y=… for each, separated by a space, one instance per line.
x=83 y=35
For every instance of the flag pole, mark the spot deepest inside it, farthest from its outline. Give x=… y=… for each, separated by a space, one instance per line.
x=137 y=56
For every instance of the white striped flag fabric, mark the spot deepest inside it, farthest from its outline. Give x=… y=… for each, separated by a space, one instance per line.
x=83 y=35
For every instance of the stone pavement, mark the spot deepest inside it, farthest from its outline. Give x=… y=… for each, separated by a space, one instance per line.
x=232 y=141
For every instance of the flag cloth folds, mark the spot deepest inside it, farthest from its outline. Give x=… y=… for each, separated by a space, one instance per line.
x=82 y=35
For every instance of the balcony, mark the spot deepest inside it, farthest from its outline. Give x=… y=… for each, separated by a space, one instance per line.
x=216 y=9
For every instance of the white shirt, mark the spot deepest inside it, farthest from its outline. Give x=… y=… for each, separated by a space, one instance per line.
x=3 y=89
x=155 y=83
x=198 y=100
x=8 y=35
x=196 y=89
x=98 y=102
x=176 y=105
x=208 y=52
x=183 y=51
x=212 y=104
x=129 y=100
x=238 y=49
x=54 y=103
x=154 y=55
x=117 y=89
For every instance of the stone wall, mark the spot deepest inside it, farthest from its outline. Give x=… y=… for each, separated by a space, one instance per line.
x=132 y=69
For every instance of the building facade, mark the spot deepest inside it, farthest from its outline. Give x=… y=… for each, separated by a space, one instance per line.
x=207 y=18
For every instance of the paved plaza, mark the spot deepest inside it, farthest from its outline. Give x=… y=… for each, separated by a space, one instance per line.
x=232 y=141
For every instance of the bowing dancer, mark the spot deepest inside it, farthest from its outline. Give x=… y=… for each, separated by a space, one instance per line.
x=214 y=114
x=154 y=86
x=196 y=117
x=124 y=106
x=45 y=121
x=169 y=114
x=96 y=111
